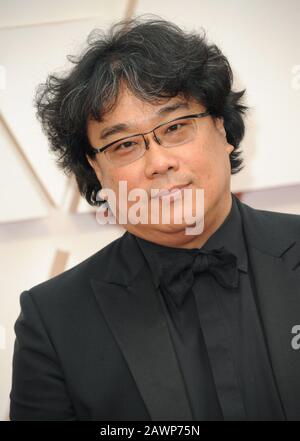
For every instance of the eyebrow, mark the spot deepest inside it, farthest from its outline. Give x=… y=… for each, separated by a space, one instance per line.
x=122 y=127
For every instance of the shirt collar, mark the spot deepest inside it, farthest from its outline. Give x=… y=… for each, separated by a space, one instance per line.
x=229 y=234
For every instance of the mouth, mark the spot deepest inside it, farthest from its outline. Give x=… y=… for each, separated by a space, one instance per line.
x=171 y=191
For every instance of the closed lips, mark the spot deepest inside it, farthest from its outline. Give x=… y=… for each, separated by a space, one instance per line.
x=166 y=191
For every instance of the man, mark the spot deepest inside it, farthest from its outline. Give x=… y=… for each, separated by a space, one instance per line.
x=161 y=324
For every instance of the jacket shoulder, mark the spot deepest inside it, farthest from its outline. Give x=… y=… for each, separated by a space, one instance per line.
x=75 y=281
x=288 y=223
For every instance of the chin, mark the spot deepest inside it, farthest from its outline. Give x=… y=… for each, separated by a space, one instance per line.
x=170 y=228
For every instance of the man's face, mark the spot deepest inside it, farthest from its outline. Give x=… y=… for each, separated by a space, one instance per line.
x=201 y=164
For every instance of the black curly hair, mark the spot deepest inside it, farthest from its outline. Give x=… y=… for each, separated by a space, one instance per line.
x=156 y=59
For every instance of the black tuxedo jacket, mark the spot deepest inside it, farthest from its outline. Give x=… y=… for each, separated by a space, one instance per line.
x=93 y=342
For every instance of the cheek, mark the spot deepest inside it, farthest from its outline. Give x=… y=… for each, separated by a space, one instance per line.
x=209 y=164
x=200 y=160
x=107 y=180
x=130 y=175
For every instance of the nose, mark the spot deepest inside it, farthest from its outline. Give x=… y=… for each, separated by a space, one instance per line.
x=158 y=159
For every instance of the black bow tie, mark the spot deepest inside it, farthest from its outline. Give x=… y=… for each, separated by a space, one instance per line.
x=178 y=268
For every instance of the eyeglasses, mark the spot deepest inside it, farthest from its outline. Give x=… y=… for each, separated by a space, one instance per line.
x=170 y=134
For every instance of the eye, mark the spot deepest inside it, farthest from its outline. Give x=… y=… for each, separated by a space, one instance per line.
x=175 y=127
x=123 y=145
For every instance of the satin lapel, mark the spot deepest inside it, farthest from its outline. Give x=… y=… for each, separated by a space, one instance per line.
x=135 y=317
x=275 y=264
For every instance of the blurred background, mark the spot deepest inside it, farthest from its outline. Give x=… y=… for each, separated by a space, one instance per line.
x=45 y=226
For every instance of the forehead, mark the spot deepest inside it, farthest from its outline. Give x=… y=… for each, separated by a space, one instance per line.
x=131 y=114
x=128 y=107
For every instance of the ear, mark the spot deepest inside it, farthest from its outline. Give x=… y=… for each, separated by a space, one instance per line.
x=229 y=148
x=220 y=126
x=221 y=129
x=95 y=166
